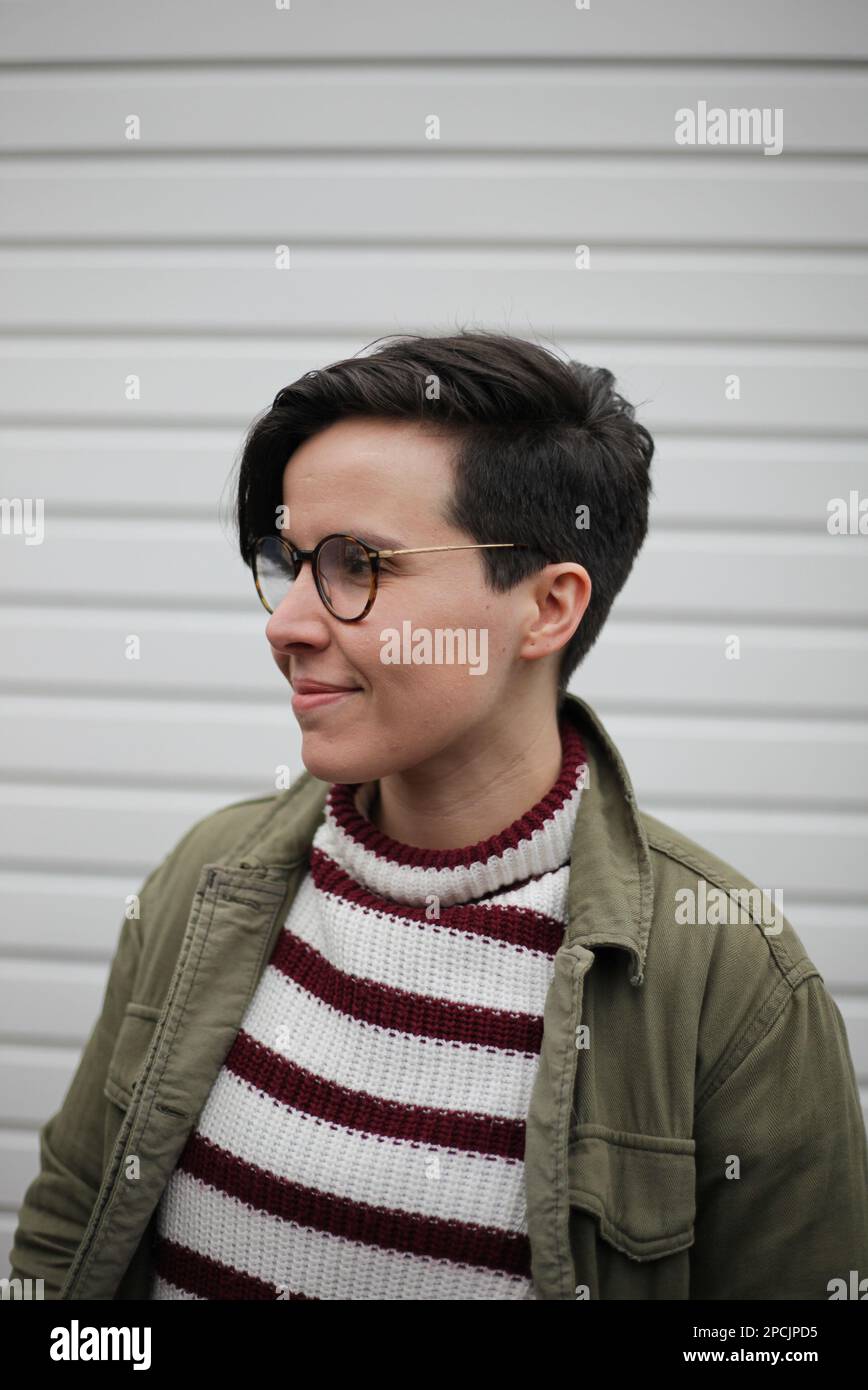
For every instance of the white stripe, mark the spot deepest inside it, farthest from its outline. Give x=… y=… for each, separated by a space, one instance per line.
x=548 y=894
x=428 y=957
x=393 y=1065
x=315 y=1263
x=412 y=1177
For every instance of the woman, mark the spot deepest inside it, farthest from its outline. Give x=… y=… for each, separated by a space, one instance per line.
x=428 y=1025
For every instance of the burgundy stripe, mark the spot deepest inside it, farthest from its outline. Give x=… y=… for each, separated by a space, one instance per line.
x=411 y=1233
x=418 y=1015
x=207 y=1278
x=341 y=801
x=295 y=1087
x=514 y=925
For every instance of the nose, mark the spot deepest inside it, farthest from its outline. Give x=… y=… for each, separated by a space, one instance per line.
x=300 y=617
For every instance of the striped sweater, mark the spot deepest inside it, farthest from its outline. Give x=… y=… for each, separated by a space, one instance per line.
x=364 y=1138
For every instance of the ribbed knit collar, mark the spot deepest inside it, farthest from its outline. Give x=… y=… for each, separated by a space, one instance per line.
x=538 y=842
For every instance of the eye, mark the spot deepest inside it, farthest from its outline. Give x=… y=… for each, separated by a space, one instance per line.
x=354 y=561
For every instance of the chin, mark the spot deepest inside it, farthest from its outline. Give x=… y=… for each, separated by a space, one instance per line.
x=324 y=764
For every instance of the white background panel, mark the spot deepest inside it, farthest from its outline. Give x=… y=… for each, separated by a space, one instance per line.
x=623 y=292
x=743 y=205
x=156 y=258
x=121 y=29
x=377 y=107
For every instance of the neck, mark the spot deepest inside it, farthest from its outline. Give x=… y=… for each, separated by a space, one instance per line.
x=470 y=793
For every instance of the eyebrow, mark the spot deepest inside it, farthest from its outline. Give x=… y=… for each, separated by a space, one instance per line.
x=374 y=538
x=381 y=542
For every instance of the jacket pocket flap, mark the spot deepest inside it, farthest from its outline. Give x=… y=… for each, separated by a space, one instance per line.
x=129 y=1053
x=640 y=1187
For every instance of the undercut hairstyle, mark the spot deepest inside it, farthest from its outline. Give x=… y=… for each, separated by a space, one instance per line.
x=535 y=438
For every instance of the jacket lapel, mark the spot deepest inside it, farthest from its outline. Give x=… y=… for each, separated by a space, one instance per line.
x=610 y=904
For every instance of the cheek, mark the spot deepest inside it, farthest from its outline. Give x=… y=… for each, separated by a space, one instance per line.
x=437 y=663
x=394 y=627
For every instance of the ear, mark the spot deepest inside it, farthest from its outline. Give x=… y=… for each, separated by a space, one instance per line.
x=561 y=594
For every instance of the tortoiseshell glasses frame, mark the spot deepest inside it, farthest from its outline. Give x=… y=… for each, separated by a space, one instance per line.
x=297 y=558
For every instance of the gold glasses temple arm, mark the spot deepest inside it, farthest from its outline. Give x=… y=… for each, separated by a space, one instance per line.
x=488 y=545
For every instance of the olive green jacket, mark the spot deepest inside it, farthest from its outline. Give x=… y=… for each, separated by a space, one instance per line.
x=694 y=1129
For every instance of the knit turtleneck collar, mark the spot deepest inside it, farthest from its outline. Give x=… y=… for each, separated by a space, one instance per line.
x=538 y=842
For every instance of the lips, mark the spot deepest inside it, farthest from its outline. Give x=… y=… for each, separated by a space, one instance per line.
x=309 y=695
x=311 y=687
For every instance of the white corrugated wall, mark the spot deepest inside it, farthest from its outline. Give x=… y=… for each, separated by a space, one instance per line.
x=155 y=258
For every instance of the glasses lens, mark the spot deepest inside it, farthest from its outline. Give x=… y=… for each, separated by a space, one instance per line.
x=274 y=571
x=345 y=576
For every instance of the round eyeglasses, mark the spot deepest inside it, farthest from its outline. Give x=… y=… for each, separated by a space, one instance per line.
x=345 y=570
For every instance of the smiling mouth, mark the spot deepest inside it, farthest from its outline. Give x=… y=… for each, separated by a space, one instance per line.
x=303 y=700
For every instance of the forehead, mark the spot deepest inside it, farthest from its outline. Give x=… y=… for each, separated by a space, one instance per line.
x=364 y=460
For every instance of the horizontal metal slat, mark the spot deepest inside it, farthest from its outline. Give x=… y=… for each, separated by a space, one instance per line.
x=688 y=199
x=105 y=30
x=508 y=108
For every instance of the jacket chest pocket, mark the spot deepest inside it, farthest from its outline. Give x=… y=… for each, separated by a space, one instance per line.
x=130 y=1051
x=632 y=1211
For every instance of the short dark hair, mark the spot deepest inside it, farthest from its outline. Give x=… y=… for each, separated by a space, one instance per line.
x=536 y=437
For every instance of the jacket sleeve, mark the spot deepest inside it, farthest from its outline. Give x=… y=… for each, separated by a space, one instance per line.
x=781 y=1157
x=58 y=1203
